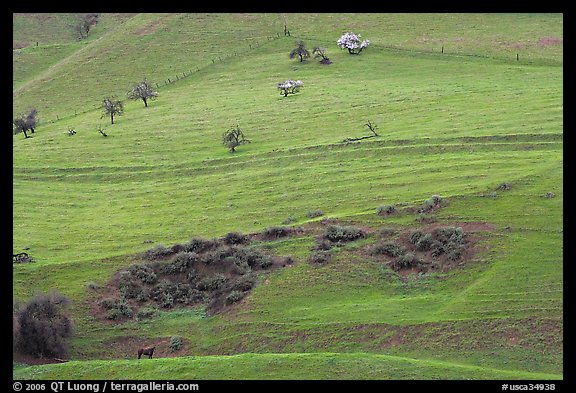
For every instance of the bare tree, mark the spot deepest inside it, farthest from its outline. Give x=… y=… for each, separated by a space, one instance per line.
x=233 y=138
x=301 y=51
x=321 y=53
x=372 y=127
x=84 y=24
x=142 y=91
x=112 y=107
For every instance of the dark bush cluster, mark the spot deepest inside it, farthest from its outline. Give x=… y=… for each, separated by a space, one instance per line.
x=42 y=327
x=447 y=241
x=277 y=232
x=235 y=238
x=336 y=233
x=217 y=271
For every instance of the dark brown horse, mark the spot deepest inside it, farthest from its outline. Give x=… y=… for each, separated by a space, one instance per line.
x=146 y=351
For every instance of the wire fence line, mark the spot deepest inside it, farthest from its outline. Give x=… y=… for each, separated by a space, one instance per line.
x=179 y=76
x=436 y=49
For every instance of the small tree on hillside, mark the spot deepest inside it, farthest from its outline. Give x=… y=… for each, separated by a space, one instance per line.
x=321 y=53
x=289 y=87
x=26 y=122
x=31 y=119
x=20 y=126
x=233 y=138
x=84 y=24
x=352 y=42
x=142 y=91
x=300 y=51
x=112 y=107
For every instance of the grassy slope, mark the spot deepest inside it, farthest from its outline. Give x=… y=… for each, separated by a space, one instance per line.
x=273 y=366
x=449 y=125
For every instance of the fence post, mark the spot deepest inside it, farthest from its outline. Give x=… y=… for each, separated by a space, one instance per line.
x=442 y=49
x=516 y=56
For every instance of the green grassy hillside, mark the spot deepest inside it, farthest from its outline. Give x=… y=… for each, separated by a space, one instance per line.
x=455 y=124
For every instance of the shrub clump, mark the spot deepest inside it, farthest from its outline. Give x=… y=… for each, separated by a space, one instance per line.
x=336 y=233
x=314 y=213
x=385 y=210
x=504 y=186
x=235 y=238
x=234 y=297
x=175 y=343
x=157 y=252
x=388 y=248
x=277 y=232
x=42 y=326
x=319 y=257
x=407 y=260
x=432 y=204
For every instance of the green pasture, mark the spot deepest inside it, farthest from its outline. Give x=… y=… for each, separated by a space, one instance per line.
x=455 y=124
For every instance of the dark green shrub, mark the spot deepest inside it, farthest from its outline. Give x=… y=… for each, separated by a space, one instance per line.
x=424 y=243
x=429 y=205
x=234 y=297
x=199 y=245
x=146 y=313
x=243 y=283
x=386 y=210
x=277 y=232
x=211 y=283
x=41 y=327
x=176 y=248
x=175 y=343
x=116 y=309
x=447 y=235
x=218 y=255
x=388 y=248
x=319 y=257
x=180 y=263
x=143 y=272
x=166 y=301
x=314 y=213
x=408 y=260
x=252 y=258
x=386 y=232
x=323 y=244
x=129 y=290
x=289 y=220
x=415 y=236
x=157 y=252
x=336 y=233
x=235 y=238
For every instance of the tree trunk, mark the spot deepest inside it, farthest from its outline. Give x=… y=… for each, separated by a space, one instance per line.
x=32 y=129
x=25 y=135
x=112 y=117
x=145 y=102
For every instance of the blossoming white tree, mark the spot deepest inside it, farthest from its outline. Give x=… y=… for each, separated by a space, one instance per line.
x=352 y=42
x=290 y=87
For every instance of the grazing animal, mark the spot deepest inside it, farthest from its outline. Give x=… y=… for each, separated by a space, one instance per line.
x=146 y=351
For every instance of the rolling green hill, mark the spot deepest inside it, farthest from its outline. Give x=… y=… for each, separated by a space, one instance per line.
x=455 y=123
